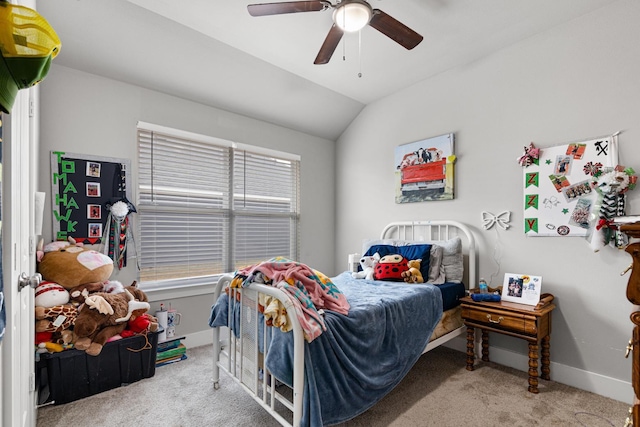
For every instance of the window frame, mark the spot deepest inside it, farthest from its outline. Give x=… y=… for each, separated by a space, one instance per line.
x=230 y=213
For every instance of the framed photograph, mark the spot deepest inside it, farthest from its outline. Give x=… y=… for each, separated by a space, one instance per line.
x=93 y=169
x=521 y=288
x=93 y=189
x=94 y=211
x=95 y=230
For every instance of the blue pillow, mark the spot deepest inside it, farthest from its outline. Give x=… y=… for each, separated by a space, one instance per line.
x=409 y=252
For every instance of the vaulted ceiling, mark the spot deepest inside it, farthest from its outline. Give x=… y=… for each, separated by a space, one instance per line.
x=213 y=52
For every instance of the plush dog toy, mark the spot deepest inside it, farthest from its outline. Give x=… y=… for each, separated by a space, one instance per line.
x=413 y=274
x=368 y=264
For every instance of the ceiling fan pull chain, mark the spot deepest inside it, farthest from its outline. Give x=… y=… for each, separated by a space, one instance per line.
x=360 y=54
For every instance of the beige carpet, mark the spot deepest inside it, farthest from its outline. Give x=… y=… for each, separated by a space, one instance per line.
x=438 y=391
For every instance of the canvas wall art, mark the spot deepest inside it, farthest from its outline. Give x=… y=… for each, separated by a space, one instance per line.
x=424 y=170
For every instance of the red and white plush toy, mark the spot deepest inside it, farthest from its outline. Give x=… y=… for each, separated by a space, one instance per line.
x=53 y=311
x=391 y=268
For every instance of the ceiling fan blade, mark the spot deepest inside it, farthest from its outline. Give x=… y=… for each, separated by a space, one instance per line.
x=264 y=9
x=395 y=29
x=329 y=45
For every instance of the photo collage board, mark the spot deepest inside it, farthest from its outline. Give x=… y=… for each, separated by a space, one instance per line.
x=558 y=196
x=83 y=187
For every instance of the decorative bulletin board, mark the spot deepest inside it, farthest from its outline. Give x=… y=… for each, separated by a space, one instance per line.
x=558 y=198
x=82 y=188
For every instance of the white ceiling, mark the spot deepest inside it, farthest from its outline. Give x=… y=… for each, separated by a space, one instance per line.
x=215 y=53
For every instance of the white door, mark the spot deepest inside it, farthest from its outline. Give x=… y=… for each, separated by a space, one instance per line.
x=18 y=256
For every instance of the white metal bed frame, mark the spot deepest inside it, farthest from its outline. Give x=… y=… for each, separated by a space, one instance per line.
x=241 y=359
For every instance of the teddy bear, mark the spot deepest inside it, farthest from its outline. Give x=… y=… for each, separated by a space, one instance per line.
x=368 y=264
x=413 y=274
x=70 y=264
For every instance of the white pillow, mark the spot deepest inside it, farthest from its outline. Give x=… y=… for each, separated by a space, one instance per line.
x=452 y=259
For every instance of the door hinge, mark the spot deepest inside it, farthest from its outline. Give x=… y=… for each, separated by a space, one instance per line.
x=32 y=381
x=32 y=107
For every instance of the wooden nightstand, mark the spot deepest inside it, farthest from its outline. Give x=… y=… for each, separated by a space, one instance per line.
x=531 y=323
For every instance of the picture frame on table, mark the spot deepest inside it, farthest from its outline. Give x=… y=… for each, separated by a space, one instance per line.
x=521 y=288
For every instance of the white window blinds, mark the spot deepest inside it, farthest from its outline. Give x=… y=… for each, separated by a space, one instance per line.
x=210 y=206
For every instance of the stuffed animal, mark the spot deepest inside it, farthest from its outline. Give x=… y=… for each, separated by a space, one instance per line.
x=103 y=316
x=140 y=321
x=49 y=294
x=391 y=268
x=368 y=264
x=611 y=185
x=79 y=293
x=71 y=265
x=56 y=318
x=53 y=311
x=413 y=274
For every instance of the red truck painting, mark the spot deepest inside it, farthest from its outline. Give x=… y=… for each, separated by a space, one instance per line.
x=419 y=173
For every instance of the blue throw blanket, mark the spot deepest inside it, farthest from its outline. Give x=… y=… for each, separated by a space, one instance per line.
x=360 y=357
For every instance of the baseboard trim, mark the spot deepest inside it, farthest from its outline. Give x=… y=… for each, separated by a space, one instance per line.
x=199 y=338
x=584 y=380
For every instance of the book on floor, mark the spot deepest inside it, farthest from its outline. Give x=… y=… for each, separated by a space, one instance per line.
x=166 y=354
x=171 y=360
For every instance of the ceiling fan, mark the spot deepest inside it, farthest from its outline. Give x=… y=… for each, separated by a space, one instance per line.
x=348 y=16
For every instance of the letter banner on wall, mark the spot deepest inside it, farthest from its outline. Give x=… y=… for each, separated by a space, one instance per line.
x=558 y=195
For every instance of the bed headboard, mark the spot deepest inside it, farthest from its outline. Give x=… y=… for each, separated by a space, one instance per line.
x=438 y=230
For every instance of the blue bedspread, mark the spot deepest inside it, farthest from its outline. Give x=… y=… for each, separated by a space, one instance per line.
x=360 y=357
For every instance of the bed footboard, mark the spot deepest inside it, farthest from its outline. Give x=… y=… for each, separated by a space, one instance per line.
x=242 y=354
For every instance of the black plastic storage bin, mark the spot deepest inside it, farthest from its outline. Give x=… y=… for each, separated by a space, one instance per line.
x=72 y=374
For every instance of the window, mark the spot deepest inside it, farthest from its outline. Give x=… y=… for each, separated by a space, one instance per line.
x=207 y=206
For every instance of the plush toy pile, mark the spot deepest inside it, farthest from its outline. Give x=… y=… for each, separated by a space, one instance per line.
x=393 y=267
x=78 y=306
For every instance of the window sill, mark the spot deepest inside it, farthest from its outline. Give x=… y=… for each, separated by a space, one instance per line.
x=184 y=291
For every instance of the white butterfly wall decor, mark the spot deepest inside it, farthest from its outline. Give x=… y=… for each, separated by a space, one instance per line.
x=502 y=219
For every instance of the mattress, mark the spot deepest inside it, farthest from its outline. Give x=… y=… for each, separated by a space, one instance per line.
x=451 y=294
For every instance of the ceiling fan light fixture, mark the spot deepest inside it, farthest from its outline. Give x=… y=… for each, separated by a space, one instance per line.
x=352 y=16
